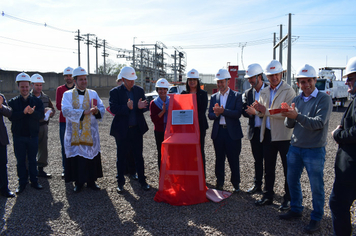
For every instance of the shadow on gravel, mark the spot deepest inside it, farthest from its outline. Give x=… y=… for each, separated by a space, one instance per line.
x=94 y=213
x=32 y=211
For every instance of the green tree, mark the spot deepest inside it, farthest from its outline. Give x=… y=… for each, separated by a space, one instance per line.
x=111 y=68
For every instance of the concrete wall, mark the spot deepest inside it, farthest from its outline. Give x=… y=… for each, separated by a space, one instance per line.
x=8 y=87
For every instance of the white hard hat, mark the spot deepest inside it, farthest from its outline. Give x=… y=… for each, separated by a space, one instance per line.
x=222 y=74
x=252 y=70
x=79 y=71
x=193 y=74
x=162 y=83
x=37 y=78
x=128 y=72
x=306 y=71
x=23 y=77
x=350 y=67
x=68 y=71
x=274 y=67
x=119 y=77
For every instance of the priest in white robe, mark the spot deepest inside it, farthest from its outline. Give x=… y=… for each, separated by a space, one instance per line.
x=82 y=109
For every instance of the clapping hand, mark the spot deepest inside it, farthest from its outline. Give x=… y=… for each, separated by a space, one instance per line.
x=142 y=104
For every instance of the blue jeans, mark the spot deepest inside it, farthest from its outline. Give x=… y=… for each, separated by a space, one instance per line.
x=62 y=130
x=313 y=160
x=26 y=148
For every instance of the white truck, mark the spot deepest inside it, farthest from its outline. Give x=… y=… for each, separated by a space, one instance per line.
x=328 y=84
x=174 y=89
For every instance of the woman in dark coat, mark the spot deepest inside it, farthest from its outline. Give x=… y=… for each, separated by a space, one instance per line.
x=193 y=87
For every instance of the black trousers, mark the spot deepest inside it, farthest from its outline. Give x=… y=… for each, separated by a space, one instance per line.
x=341 y=199
x=227 y=147
x=270 y=150
x=159 y=136
x=132 y=142
x=257 y=152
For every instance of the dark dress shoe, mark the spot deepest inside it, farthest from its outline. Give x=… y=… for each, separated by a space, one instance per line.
x=236 y=190
x=145 y=186
x=120 y=188
x=43 y=174
x=263 y=201
x=134 y=177
x=20 y=188
x=36 y=186
x=93 y=186
x=77 y=188
x=285 y=206
x=8 y=194
x=312 y=227
x=219 y=187
x=290 y=215
x=254 y=189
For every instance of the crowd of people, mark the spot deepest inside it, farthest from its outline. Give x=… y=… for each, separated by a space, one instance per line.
x=279 y=121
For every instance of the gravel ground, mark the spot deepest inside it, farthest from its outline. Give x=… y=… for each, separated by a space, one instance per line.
x=57 y=210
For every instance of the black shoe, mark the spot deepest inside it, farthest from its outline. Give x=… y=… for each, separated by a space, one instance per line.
x=263 y=201
x=120 y=188
x=93 y=186
x=8 y=194
x=77 y=188
x=42 y=173
x=36 y=186
x=133 y=177
x=145 y=186
x=290 y=215
x=312 y=227
x=20 y=188
x=219 y=187
x=236 y=190
x=254 y=189
x=63 y=175
x=285 y=206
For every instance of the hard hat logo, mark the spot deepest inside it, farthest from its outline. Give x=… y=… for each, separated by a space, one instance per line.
x=218 y=75
x=272 y=68
x=304 y=70
x=132 y=73
x=192 y=73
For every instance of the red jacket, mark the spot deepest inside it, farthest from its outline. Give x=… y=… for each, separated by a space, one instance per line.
x=59 y=95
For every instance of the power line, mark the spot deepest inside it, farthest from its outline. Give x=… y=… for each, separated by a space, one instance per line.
x=35 y=23
x=42 y=45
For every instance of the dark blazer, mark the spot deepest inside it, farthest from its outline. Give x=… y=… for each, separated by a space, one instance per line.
x=118 y=106
x=17 y=115
x=345 y=163
x=248 y=98
x=202 y=103
x=232 y=113
x=4 y=111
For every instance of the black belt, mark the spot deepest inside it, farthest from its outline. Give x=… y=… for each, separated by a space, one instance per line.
x=223 y=126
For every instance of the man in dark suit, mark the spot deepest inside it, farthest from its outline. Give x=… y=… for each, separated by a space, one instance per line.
x=128 y=103
x=344 y=189
x=254 y=74
x=5 y=110
x=225 y=109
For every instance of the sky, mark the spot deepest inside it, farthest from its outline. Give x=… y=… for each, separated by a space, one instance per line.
x=211 y=33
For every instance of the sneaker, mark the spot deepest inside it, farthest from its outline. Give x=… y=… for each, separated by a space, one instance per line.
x=312 y=227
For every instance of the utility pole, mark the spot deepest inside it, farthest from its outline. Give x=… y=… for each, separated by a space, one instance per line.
x=104 y=55
x=289 y=61
x=280 y=47
x=175 y=65
x=88 y=43
x=96 y=49
x=141 y=68
x=79 y=38
x=274 y=43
